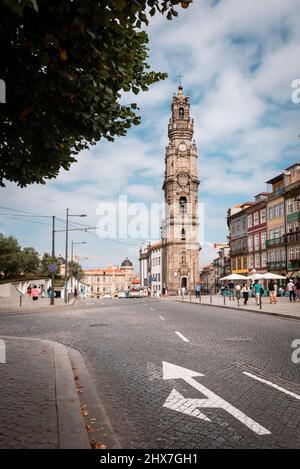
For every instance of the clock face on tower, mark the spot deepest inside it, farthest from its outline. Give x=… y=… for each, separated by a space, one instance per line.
x=182 y=146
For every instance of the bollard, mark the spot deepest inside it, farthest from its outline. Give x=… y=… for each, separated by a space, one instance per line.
x=199 y=297
x=20 y=301
x=260 y=302
x=238 y=301
x=224 y=298
x=210 y=297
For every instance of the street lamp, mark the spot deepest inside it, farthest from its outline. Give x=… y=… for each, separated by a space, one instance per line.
x=72 y=261
x=66 y=255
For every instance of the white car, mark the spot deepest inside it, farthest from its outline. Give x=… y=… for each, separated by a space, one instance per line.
x=121 y=294
x=107 y=296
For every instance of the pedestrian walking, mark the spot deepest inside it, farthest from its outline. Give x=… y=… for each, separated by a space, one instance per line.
x=35 y=293
x=245 y=293
x=272 y=287
x=231 y=290
x=257 y=291
x=291 y=290
x=238 y=291
x=197 y=290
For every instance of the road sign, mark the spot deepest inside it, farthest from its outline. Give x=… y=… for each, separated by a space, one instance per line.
x=177 y=402
x=52 y=268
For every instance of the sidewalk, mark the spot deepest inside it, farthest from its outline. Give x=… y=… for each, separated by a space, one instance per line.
x=13 y=304
x=39 y=402
x=283 y=308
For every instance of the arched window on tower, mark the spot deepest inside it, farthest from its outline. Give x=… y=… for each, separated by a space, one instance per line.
x=183 y=234
x=181 y=112
x=183 y=257
x=182 y=204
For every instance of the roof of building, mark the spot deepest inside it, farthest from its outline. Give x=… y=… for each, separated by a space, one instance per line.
x=275 y=179
x=127 y=263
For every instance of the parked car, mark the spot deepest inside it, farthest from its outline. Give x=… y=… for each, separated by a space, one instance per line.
x=107 y=296
x=134 y=294
x=121 y=294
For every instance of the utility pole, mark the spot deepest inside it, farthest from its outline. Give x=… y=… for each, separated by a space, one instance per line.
x=66 y=258
x=53 y=257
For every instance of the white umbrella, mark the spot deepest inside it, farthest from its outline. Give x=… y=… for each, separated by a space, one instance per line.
x=235 y=277
x=271 y=276
x=256 y=276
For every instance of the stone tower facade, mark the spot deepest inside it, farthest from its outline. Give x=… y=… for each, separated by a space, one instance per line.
x=180 y=233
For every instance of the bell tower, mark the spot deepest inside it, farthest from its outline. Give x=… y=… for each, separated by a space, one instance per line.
x=181 y=244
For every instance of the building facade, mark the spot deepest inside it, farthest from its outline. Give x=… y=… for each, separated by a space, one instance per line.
x=273 y=228
x=257 y=233
x=112 y=280
x=151 y=267
x=238 y=237
x=283 y=241
x=180 y=243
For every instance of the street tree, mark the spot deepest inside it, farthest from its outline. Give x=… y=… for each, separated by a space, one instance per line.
x=66 y=65
x=30 y=260
x=76 y=269
x=10 y=257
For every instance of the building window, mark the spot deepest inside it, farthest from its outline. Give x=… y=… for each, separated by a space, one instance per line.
x=239 y=263
x=263 y=240
x=182 y=204
x=281 y=209
x=250 y=260
x=292 y=254
x=244 y=262
x=276 y=211
x=98 y=279
x=181 y=112
x=256 y=218
x=263 y=215
x=256 y=242
x=289 y=206
x=250 y=221
x=183 y=234
x=257 y=261
x=270 y=213
x=250 y=243
x=264 y=259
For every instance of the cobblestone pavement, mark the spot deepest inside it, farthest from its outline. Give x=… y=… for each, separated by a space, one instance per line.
x=283 y=307
x=124 y=343
x=28 y=417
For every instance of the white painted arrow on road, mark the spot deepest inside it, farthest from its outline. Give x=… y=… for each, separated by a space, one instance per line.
x=176 y=401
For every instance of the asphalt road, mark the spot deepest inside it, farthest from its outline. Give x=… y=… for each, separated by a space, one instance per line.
x=154 y=405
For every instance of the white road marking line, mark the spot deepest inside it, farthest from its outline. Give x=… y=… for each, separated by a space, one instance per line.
x=279 y=388
x=182 y=336
x=162 y=318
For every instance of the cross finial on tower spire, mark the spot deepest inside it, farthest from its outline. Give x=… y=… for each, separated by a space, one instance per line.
x=180 y=76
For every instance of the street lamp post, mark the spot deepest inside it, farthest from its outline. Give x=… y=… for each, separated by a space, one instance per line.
x=66 y=254
x=53 y=256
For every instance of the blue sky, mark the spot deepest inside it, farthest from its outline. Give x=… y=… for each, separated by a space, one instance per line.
x=238 y=60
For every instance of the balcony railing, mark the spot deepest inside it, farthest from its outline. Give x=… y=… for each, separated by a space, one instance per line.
x=276 y=241
x=289 y=238
x=294 y=264
x=239 y=251
x=276 y=265
x=293 y=237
